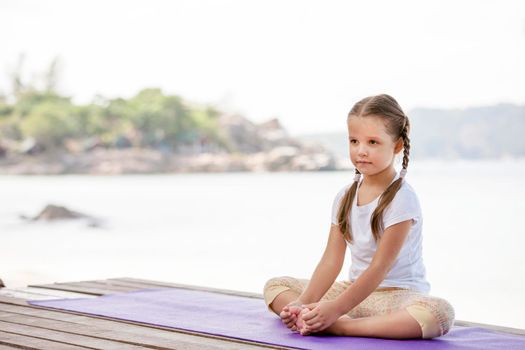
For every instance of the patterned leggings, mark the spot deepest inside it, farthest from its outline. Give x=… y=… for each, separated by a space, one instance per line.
x=434 y=315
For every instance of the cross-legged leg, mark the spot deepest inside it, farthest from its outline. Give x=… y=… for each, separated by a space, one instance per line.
x=397 y=315
x=283 y=299
x=397 y=325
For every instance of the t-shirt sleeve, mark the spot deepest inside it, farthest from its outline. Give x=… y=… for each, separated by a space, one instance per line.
x=404 y=206
x=336 y=203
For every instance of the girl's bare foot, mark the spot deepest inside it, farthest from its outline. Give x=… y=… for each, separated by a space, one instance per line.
x=289 y=316
x=301 y=326
x=336 y=328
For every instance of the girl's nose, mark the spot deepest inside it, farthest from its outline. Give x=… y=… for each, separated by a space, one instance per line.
x=362 y=150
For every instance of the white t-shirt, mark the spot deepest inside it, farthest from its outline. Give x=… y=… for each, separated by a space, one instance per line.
x=408 y=270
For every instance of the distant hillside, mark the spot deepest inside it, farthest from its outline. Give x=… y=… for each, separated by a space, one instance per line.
x=472 y=133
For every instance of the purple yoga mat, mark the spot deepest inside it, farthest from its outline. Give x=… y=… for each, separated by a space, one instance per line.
x=249 y=319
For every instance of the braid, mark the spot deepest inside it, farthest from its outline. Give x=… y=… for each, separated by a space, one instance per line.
x=406 y=143
x=376 y=221
x=343 y=214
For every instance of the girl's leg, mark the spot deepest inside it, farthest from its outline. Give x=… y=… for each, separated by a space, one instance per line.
x=282 y=300
x=280 y=291
x=397 y=325
x=397 y=315
x=434 y=315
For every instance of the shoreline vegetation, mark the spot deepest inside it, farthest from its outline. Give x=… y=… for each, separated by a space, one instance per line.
x=45 y=133
x=237 y=145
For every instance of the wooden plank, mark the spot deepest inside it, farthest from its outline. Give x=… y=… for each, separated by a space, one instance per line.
x=85 y=288
x=55 y=293
x=111 y=288
x=183 y=340
x=135 y=285
x=24 y=342
x=66 y=338
x=73 y=288
x=95 y=288
x=13 y=300
x=29 y=293
x=85 y=330
x=6 y=347
x=23 y=294
x=500 y=329
x=186 y=286
x=114 y=284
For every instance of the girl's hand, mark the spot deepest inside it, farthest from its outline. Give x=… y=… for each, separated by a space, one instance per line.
x=320 y=316
x=290 y=313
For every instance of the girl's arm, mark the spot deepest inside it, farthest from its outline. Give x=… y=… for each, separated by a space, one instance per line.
x=324 y=314
x=328 y=267
x=387 y=251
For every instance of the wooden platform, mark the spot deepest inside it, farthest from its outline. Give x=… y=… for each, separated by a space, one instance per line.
x=24 y=326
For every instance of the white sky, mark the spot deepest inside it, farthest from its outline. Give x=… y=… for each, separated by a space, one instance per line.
x=305 y=62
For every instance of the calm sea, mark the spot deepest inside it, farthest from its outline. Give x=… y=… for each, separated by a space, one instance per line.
x=236 y=230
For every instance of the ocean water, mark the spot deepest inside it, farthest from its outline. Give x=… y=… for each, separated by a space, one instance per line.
x=237 y=230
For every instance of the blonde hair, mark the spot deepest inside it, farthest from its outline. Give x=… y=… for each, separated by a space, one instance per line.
x=397 y=126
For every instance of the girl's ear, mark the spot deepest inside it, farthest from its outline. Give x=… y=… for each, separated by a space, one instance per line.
x=399 y=146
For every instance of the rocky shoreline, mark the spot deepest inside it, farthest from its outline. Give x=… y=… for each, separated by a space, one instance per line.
x=250 y=147
x=146 y=161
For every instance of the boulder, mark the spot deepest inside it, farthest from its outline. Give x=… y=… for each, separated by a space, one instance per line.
x=54 y=212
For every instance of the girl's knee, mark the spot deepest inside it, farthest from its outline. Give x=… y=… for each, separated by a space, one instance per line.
x=434 y=315
x=275 y=286
x=284 y=281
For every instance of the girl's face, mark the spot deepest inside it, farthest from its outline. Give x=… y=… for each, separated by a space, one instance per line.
x=372 y=149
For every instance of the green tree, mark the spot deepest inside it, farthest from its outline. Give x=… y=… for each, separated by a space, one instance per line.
x=50 y=123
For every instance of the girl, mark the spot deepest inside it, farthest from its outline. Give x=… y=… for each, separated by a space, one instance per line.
x=378 y=217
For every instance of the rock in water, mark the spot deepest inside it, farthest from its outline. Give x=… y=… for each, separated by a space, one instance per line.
x=2 y=285
x=55 y=212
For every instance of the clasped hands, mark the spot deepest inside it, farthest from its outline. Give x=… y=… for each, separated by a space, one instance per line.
x=310 y=318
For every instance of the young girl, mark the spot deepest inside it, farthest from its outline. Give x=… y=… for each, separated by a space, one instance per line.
x=378 y=217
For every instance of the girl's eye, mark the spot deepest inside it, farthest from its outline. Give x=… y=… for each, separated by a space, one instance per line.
x=374 y=142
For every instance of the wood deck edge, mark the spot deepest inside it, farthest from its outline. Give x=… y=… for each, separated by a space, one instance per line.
x=495 y=328
x=193 y=287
